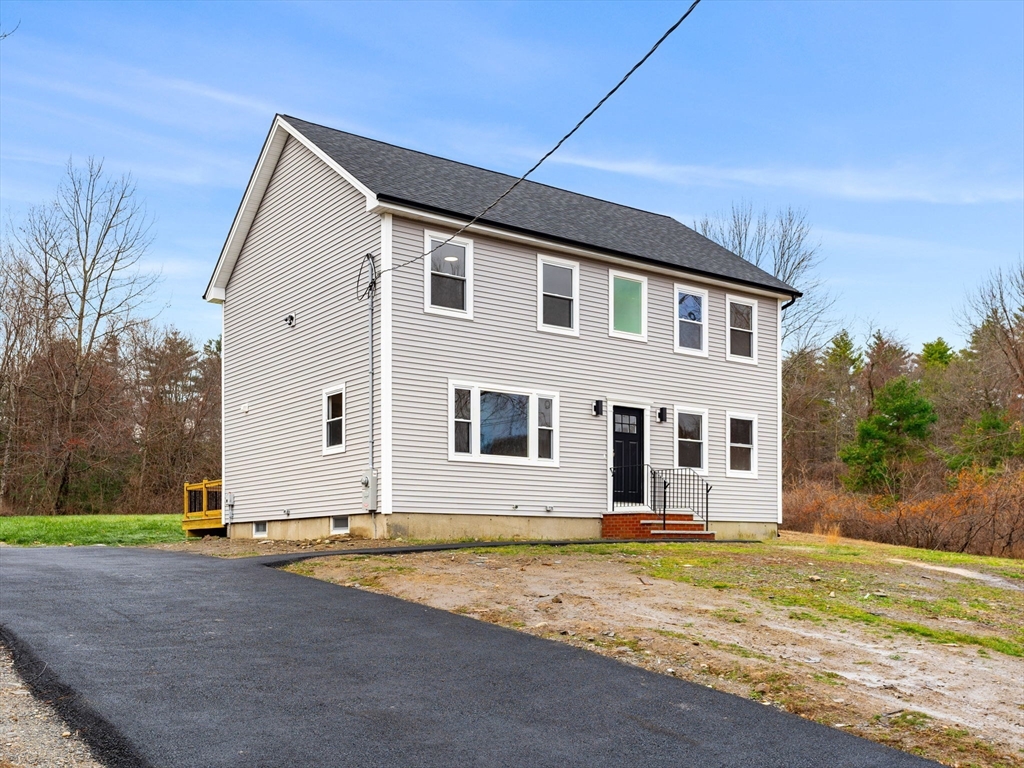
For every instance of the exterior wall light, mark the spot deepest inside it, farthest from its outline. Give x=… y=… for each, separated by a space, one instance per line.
x=598 y=408
x=663 y=414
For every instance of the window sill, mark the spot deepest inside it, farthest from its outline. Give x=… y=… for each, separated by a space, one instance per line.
x=332 y=450
x=740 y=359
x=630 y=336
x=741 y=474
x=444 y=312
x=691 y=352
x=558 y=330
x=515 y=461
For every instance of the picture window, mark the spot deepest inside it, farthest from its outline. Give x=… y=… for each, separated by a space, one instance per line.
x=503 y=425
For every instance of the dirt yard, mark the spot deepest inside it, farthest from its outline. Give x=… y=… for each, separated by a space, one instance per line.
x=920 y=650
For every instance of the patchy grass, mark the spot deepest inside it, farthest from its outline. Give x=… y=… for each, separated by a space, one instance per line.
x=82 y=530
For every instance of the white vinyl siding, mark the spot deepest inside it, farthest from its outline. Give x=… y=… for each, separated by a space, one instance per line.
x=299 y=258
x=503 y=345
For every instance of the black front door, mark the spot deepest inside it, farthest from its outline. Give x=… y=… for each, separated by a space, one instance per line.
x=628 y=455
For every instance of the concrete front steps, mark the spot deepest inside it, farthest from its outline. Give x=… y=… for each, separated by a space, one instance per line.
x=678 y=526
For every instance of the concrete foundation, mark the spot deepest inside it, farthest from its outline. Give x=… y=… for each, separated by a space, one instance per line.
x=744 y=531
x=359 y=526
x=441 y=526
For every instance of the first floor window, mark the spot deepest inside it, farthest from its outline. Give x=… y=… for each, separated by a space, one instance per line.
x=334 y=419
x=496 y=424
x=690 y=440
x=628 y=308
x=741 y=443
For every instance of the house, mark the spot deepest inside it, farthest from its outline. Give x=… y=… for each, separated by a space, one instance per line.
x=565 y=368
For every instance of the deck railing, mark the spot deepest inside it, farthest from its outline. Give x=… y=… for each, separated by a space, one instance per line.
x=202 y=505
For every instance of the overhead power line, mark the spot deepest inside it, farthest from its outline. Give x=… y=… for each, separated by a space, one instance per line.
x=554 y=149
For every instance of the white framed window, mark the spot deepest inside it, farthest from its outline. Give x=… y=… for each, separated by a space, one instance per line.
x=339 y=524
x=691 y=320
x=259 y=530
x=741 y=329
x=333 y=419
x=627 y=305
x=448 y=275
x=741 y=444
x=558 y=290
x=500 y=424
x=691 y=439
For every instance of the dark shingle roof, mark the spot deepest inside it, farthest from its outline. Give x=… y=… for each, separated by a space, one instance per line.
x=433 y=183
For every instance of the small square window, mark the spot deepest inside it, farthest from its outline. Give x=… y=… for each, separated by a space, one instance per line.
x=259 y=530
x=339 y=524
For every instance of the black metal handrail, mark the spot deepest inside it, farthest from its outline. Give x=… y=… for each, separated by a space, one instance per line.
x=661 y=490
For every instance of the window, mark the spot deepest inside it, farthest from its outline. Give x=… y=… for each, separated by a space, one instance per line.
x=742 y=319
x=500 y=424
x=448 y=288
x=741 y=439
x=339 y=524
x=691 y=439
x=557 y=296
x=627 y=305
x=691 y=320
x=259 y=530
x=334 y=419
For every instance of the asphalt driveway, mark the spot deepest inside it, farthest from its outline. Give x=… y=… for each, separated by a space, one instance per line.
x=170 y=659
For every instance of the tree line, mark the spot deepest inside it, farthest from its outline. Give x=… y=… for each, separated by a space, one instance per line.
x=101 y=409
x=921 y=447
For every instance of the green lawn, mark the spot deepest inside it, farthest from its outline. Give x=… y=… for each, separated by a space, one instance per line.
x=125 y=530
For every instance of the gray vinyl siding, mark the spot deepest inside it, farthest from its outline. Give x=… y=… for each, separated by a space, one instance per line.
x=301 y=257
x=502 y=345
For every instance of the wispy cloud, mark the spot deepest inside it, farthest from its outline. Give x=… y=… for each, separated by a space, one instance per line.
x=907 y=184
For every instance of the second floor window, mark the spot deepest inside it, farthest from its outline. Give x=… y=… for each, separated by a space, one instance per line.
x=628 y=305
x=691 y=320
x=449 y=276
x=742 y=319
x=557 y=300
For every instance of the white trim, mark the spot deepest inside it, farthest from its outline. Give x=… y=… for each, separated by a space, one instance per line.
x=778 y=395
x=224 y=486
x=337 y=389
x=535 y=241
x=346 y=529
x=636 y=278
x=694 y=291
x=467 y=313
x=609 y=414
x=387 y=398
x=729 y=471
x=575 y=267
x=704 y=435
x=266 y=529
x=259 y=180
x=729 y=301
x=475 y=455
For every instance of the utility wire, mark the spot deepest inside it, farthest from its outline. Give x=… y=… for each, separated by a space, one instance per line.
x=551 y=151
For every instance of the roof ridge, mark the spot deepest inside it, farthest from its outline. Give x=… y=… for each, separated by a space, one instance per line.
x=487 y=170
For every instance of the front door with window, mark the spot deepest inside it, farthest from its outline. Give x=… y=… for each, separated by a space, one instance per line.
x=628 y=455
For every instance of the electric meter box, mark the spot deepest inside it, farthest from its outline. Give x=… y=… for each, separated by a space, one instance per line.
x=369 y=483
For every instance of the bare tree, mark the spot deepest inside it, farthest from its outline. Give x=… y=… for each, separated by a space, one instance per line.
x=995 y=315
x=84 y=250
x=782 y=245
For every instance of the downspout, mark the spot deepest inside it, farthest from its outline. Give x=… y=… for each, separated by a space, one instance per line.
x=788 y=304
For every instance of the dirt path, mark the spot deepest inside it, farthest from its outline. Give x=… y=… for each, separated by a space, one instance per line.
x=956 y=702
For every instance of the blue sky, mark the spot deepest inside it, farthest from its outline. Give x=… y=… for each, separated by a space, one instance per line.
x=899 y=127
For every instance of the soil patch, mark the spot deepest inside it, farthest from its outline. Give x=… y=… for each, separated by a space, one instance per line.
x=931 y=662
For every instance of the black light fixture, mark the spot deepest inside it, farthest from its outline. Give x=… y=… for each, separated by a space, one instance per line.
x=598 y=408
x=663 y=414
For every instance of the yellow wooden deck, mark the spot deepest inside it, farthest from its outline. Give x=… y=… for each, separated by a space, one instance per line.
x=202 y=507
